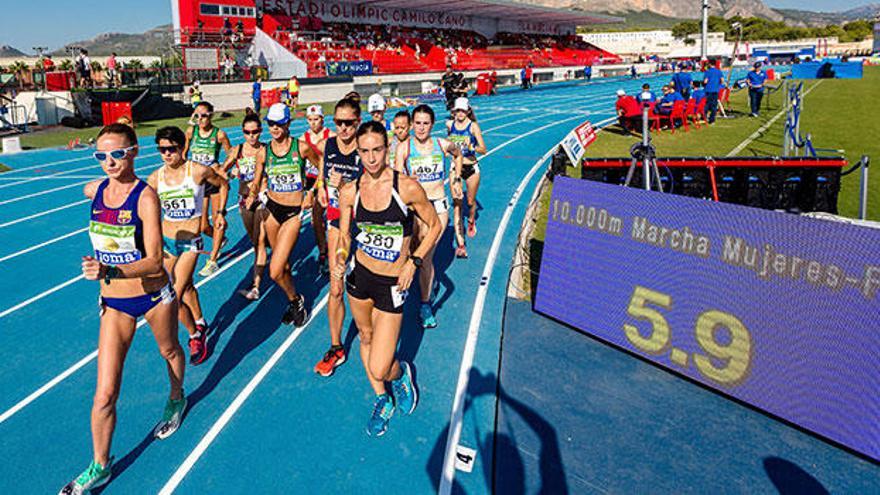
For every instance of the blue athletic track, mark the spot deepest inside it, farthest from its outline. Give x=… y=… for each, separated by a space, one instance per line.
x=260 y=420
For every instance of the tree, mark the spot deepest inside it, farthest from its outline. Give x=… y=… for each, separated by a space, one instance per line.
x=65 y=64
x=134 y=63
x=685 y=28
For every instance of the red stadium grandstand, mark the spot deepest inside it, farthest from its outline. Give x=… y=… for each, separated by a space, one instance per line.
x=384 y=36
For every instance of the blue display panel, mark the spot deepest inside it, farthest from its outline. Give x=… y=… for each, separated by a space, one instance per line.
x=776 y=310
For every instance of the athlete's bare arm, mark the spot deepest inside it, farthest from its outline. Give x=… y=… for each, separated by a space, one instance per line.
x=478 y=135
x=189 y=135
x=401 y=156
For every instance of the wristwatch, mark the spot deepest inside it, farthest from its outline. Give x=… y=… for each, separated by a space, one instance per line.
x=222 y=212
x=416 y=261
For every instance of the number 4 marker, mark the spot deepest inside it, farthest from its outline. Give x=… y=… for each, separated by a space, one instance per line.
x=464 y=458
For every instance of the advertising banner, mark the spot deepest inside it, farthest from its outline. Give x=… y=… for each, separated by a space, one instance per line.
x=352 y=68
x=776 y=310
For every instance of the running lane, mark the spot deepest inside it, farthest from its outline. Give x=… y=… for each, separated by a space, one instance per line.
x=295 y=428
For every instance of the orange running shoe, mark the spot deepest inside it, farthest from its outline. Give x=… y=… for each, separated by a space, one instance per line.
x=331 y=360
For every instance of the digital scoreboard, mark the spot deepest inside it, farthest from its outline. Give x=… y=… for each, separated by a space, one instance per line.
x=779 y=311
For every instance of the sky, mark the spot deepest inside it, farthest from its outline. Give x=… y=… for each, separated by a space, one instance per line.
x=55 y=23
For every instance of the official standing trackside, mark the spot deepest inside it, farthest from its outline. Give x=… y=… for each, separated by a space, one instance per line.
x=713 y=81
x=755 y=79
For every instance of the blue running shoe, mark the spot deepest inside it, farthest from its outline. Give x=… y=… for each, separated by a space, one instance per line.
x=383 y=409
x=427 y=316
x=404 y=389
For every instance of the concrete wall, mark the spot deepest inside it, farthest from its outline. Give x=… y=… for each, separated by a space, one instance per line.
x=62 y=102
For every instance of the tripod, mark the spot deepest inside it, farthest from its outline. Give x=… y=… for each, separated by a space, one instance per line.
x=644 y=153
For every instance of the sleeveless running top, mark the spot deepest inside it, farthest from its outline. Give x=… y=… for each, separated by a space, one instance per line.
x=205 y=150
x=117 y=234
x=182 y=201
x=465 y=140
x=381 y=233
x=311 y=169
x=286 y=173
x=427 y=168
x=246 y=165
x=348 y=165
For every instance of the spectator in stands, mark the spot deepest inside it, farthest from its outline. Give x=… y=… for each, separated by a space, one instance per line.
x=226 y=32
x=755 y=79
x=697 y=94
x=681 y=81
x=83 y=66
x=588 y=72
x=257 y=94
x=646 y=90
x=628 y=110
x=110 y=63
x=713 y=81
x=668 y=100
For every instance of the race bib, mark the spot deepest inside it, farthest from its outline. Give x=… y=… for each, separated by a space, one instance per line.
x=332 y=197
x=114 y=244
x=463 y=142
x=246 y=167
x=178 y=204
x=285 y=179
x=425 y=169
x=382 y=242
x=206 y=159
x=311 y=170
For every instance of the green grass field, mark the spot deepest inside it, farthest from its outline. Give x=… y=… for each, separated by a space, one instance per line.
x=59 y=136
x=838 y=113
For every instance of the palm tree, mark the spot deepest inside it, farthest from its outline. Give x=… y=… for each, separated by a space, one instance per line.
x=134 y=63
x=18 y=68
x=65 y=64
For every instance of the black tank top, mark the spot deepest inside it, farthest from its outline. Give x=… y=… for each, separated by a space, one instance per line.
x=348 y=165
x=380 y=234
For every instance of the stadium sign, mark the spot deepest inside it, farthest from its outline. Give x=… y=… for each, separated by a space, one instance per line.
x=576 y=142
x=776 y=310
x=331 y=11
x=353 y=68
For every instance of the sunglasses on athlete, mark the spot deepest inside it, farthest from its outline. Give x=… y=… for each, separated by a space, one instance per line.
x=275 y=123
x=201 y=115
x=252 y=133
x=166 y=149
x=115 y=154
x=345 y=122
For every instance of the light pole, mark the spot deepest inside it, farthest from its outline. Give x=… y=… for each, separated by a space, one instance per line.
x=704 y=48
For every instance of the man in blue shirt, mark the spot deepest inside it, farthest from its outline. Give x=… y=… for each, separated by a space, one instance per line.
x=668 y=101
x=588 y=72
x=646 y=89
x=257 y=95
x=683 y=83
x=755 y=79
x=697 y=94
x=713 y=81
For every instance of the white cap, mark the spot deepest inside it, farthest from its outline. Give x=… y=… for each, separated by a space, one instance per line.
x=376 y=103
x=315 y=110
x=461 y=103
x=196 y=82
x=620 y=92
x=278 y=112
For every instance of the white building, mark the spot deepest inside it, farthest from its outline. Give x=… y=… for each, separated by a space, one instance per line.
x=632 y=42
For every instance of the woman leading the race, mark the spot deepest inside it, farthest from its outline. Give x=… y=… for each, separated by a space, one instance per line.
x=126 y=236
x=181 y=187
x=466 y=133
x=425 y=159
x=380 y=205
x=243 y=162
x=285 y=175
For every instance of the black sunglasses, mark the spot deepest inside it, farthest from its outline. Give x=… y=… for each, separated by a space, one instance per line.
x=345 y=122
x=275 y=123
x=166 y=149
x=252 y=133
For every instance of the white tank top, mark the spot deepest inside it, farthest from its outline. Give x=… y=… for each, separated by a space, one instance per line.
x=182 y=201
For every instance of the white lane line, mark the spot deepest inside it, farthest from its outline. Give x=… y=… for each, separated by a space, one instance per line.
x=40 y=296
x=239 y=400
x=467 y=359
x=43 y=213
x=43 y=244
x=85 y=360
x=236 y=404
x=760 y=132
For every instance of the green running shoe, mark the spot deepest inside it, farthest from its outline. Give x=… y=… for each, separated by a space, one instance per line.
x=171 y=418
x=209 y=269
x=406 y=396
x=94 y=476
x=427 y=316
x=383 y=409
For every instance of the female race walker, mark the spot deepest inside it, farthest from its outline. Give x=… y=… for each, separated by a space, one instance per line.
x=314 y=137
x=380 y=206
x=340 y=165
x=203 y=144
x=285 y=173
x=243 y=161
x=126 y=236
x=181 y=187
x=465 y=132
x=425 y=159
